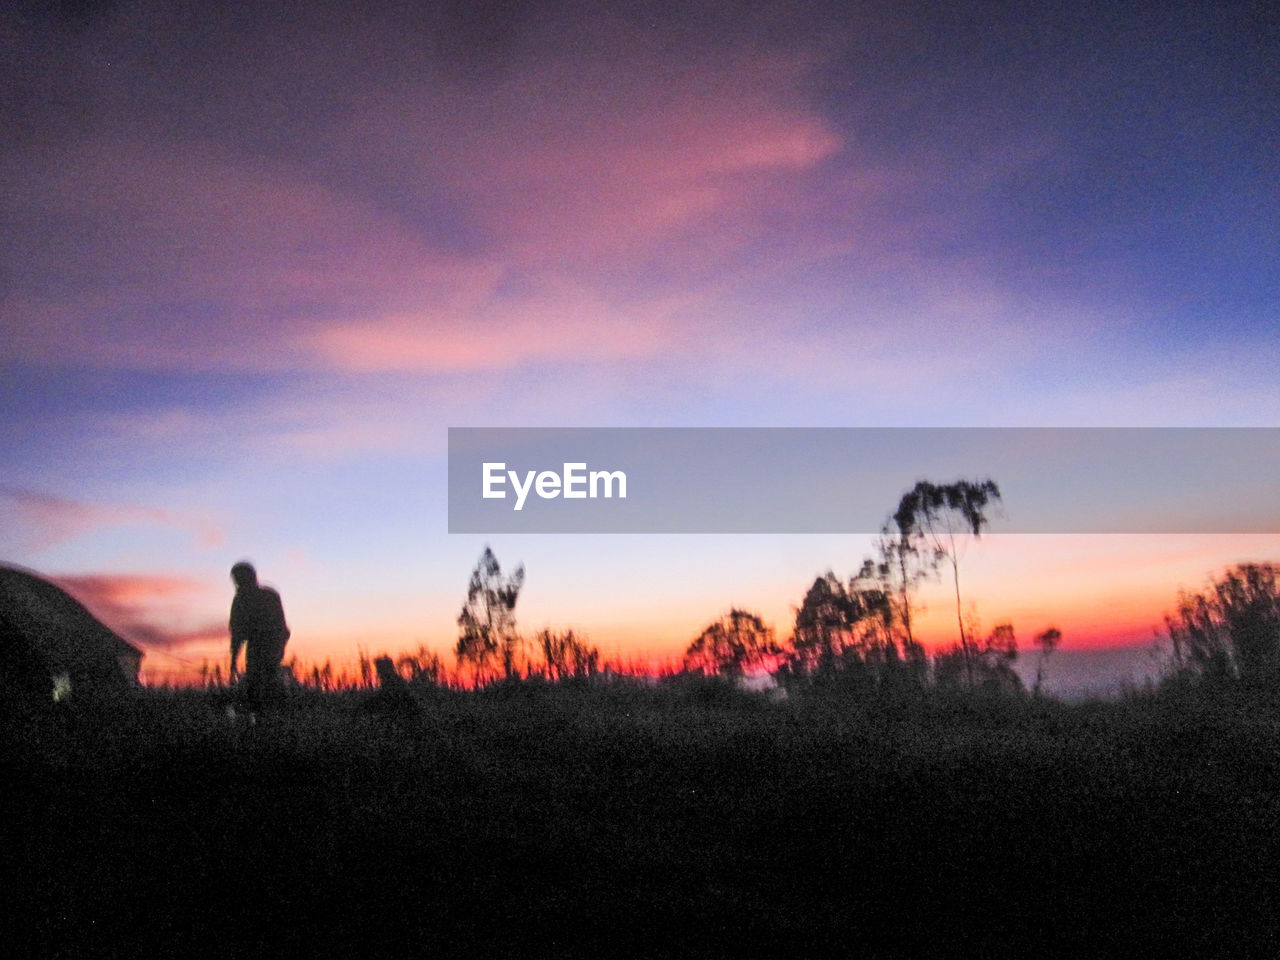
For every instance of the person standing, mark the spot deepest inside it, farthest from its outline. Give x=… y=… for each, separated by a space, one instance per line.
x=257 y=625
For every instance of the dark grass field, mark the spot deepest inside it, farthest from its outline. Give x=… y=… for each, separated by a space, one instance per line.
x=543 y=821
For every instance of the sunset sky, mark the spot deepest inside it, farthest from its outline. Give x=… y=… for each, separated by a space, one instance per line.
x=258 y=258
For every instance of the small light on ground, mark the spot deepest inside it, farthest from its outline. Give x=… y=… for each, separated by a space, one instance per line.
x=61 y=687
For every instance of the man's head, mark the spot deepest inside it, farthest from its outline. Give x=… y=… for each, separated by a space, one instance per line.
x=243 y=575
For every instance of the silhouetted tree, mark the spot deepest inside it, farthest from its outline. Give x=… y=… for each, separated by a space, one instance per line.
x=996 y=657
x=1047 y=641
x=824 y=626
x=936 y=518
x=854 y=628
x=1232 y=629
x=421 y=666
x=986 y=663
x=487 y=625
x=887 y=638
x=900 y=568
x=735 y=643
x=566 y=656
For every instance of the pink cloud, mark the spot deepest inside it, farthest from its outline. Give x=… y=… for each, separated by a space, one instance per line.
x=147 y=609
x=554 y=328
x=43 y=520
x=393 y=237
x=200 y=230
x=634 y=153
x=572 y=181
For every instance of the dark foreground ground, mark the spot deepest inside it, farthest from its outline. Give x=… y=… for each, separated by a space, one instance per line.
x=645 y=823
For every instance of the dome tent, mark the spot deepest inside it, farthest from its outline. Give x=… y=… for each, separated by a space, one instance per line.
x=52 y=647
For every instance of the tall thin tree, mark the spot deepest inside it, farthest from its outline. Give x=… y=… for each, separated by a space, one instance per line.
x=937 y=518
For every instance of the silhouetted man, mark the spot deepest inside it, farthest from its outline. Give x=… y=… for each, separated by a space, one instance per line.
x=257 y=624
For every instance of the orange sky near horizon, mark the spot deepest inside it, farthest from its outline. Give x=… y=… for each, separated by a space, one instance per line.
x=1101 y=591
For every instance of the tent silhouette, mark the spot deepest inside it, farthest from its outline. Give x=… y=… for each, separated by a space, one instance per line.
x=52 y=647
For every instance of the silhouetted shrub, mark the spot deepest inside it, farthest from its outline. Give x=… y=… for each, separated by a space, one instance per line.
x=1231 y=631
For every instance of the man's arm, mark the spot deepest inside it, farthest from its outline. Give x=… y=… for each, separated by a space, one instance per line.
x=236 y=629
